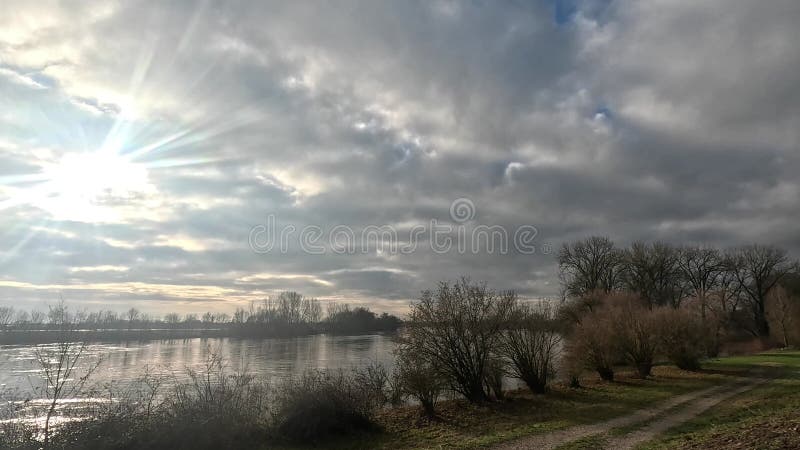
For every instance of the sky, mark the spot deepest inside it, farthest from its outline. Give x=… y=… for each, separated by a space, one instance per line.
x=194 y=156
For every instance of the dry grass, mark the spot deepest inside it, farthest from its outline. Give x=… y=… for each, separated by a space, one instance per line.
x=460 y=424
x=767 y=417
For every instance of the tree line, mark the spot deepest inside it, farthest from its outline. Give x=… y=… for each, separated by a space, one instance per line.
x=733 y=287
x=287 y=314
x=629 y=307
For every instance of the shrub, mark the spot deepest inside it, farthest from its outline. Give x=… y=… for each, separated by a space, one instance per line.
x=593 y=339
x=532 y=345
x=572 y=364
x=217 y=409
x=213 y=409
x=783 y=314
x=212 y=392
x=455 y=329
x=374 y=379
x=19 y=436
x=680 y=336
x=321 y=403
x=495 y=374
x=634 y=331
x=421 y=381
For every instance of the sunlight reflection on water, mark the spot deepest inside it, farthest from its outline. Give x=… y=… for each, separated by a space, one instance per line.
x=123 y=363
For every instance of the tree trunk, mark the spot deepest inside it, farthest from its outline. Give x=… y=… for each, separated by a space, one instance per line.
x=785 y=334
x=428 y=408
x=762 y=326
x=644 y=369
x=476 y=393
x=47 y=424
x=535 y=385
x=606 y=373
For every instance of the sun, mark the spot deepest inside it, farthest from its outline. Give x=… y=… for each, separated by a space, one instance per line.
x=93 y=175
x=88 y=185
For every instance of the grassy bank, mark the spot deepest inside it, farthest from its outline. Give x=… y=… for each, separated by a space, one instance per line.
x=224 y=411
x=463 y=425
x=768 y=417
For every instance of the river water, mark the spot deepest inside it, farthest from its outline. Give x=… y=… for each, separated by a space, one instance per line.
x=123 y=363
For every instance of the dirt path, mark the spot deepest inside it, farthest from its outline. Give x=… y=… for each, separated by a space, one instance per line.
x=663 y=424
x=560 y=437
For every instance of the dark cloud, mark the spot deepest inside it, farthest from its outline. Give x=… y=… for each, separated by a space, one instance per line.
x=675 y=121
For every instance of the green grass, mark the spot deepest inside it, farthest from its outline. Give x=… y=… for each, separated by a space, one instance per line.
x=468 y=426
x=765 y=417
x=587 y=443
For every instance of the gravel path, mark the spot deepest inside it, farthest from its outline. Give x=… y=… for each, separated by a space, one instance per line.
x=555 y=438
x=662 y=424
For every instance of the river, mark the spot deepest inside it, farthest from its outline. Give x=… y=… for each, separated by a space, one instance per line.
x=125 y=362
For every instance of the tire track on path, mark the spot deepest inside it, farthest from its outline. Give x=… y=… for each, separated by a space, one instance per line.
x=692 y=410
x=554 y=439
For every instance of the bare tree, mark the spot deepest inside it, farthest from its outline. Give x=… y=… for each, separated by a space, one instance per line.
x=59 y=315
x=240 y=315
x=532 y=345
x=681 y=337
x=312 y=310
x=190 y=318
x=495 y=372
x=592 y=264
x=758 y=269
x=222 y=318
x=456 y=328
x=37 y=317
x=420 y=380
x=783 y=311
x=22 y=317
x=172 y=318
x=594 y=344
x=290 y=306
x=702 y=268
x=132 y=315
x=728 y=293
x=59 y=364
x=634 y=328
x=6 y=316
x=109 y=317
x=652 y=271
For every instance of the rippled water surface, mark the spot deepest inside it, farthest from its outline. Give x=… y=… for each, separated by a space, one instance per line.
x=123 y=363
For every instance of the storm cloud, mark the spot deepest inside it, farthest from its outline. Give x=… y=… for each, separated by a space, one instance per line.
x=674 y=120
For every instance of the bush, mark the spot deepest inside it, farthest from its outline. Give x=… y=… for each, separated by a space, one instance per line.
x=214 y=393
x=421 y=381
x=456 y=329
x=572 y=364
x=215 y=409
x=681 y=336
x=495 y=374
x=374 y=380
x=532 y=346
x=19 y=436
x=322 y=403
x=635 y=331
x=593 y=339
x=783 y=315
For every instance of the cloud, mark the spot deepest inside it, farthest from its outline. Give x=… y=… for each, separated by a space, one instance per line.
x=675 y=121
